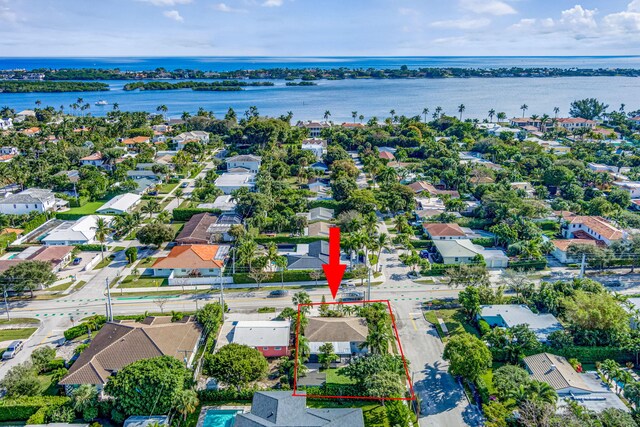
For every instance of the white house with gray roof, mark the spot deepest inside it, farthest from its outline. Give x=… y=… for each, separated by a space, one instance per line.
x=80 y=232
x=120 y=204
x=464 y=251
x=510 y=315
x=29 y=200
x=246 y=161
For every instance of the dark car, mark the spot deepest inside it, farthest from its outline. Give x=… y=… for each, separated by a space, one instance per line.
x=279 y=293
x=153 y=193
x=352 y=296
x=184 y=185
x=77 y=261
x=424 y=254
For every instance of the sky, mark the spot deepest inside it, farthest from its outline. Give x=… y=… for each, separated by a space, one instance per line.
x=318 y=28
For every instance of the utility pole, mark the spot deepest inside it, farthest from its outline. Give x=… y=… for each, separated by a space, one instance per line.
x=6 y=303
x=221 y=295
x=369 y=283
x=109 y=307
x=582 y=265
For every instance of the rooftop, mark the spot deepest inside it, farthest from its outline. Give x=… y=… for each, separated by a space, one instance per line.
x=555 y=371
x=262 y=333
x=191 y=257
x=443 y=230
x=336 y=329
x=122 y=202
x=195 y=230
x=600 y=226
x=514 y=314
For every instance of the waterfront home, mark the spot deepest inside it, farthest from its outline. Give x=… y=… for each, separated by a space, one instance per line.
x=437 y=231
x=592 y=227
x=573 y=123
x=6 y=123
x=631 y=187
x=79 y=232
x=271 y=338
x=120 y=343
x=246 y=161
x=196 y=230
x=345 y=333
x=120 y=204
x=523 y=122
x=191 y=261
x=29 y=200
x=510 y=315
x=230 y=181
x=185 y=137
x=23 y=115
x=464 y=251
x=314 y=128
x=282 y=409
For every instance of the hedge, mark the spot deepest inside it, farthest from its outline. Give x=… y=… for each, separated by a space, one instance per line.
x=335 y=390
x=288 y=239
x=483 y=327
x=529 y=265
x=68 y=216
x=226 y=395
x=95 y=322
x=22 y=408
x=39 y=416
x=96 y=247
x=34 y=223
x=185 y=214
x=289 y=276
x=329 y=204
x=421 y=243
x=6 y=239
x=485 y=242
x=592 y=354
x=17 y=248
x=79 y=202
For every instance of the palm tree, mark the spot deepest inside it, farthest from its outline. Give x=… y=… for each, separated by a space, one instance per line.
x=425 y=111
x=178 y=193
x=524 y=107
x=304 y=350
x=301 y=298
x=438 y=111
x=116 y=106
x=151 y=207
x=186 y=403
x=247 y=252
x=383 y=242
x=542 y=392
x=185 y=116
x=102 y=230
x=461 y=109
x=282 y=263
x=556 y=110
x=163 y=109
x=354 y=114
x=85 y=396
x=326 y=115
x=392 y=113
x=492 y=113
x=361 y=118
x=378 y=339
x=501 y=116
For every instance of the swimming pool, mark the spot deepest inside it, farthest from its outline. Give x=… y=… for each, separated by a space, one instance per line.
x=220 y=417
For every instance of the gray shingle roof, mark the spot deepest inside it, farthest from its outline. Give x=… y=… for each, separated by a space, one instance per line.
x=555 y=371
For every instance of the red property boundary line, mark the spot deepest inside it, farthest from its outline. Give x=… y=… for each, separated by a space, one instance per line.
x=397 y=337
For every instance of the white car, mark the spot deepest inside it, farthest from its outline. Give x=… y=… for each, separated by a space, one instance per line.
x=12 y=350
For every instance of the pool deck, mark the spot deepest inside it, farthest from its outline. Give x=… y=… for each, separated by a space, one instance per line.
x=204 y=410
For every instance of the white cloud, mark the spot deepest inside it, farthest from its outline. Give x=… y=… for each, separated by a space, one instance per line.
x=6 y=14
x=273 y=3
x=173 y=14
x=622 y=22
x=489 y=7
x=462 y=24
x=579 y=18
x=166 y=3
x=405 y=11
x=223 y=7
x=634 y=6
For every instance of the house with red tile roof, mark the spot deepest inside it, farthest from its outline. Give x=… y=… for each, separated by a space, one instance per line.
x=561 y=248
x=594 y=228
x=191 y=261
x=438 y=231
x=386 y=155
x=419 y=187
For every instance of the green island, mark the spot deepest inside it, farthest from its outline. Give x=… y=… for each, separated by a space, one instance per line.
x=302 y=83
x=8 y=86
x=228 y=85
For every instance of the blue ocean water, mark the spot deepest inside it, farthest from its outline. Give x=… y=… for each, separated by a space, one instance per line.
x=341 y=97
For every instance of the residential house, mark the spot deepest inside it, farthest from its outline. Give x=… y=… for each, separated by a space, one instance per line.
x=510 y=315
x=592 y=227
x=185 y=137
x=120 y=204
x=437 y=231
x=9 y=150
x=29 y=200
x=573 y=123
x=420 y=187
x=320 y=214
x=631 y=187
x=522 y=122
x=316 y=145
x=347 y=334
x=80 y=232
x=318 y=229
x=526 y=187
x=314 y=128
x=319 y=186
x=72 y=175
x=246 y=161
x=146 y=421
x=598 y=167
x=57 y=256
x=464 y=251
x=219 y=230
x=226 y=204
x=31 y=132
x=230 y=181
x=21 y=116
x=121 y=343
x=315 y=255
x=195 y=231
x=191 y=261
x=320 y=166
x=94 y=159
x=282 y=409
x=386 y=155
x=271 y=338
x=132 y=144
x=6 y=123
x=561 y=249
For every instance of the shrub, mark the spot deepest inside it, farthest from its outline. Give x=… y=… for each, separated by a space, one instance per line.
x=34 y=223
x=94 y=323
x=54 y=365
x=82 y=347
x=267 y=310
x=329 y=204
x=486 y=242
x=398 y=413
x=483 y=390
x=589 y=354
x=38 y=417
x=226 y=395
x=483 y=327
x=288 y=239
x=89 y=248
x=60 y=414
x=67 y=216
x=22 y=408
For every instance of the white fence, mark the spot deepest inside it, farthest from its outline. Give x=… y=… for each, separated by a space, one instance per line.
x=185 y=281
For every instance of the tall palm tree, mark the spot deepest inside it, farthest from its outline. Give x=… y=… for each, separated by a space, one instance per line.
x=326 y=115
x=178 y=193
x=163 y=109
x=116 y=106
x=556 y=110
x=502 y=116
x=541 y=392
x=102 y=231
x=378 y=339
x=304 y=350
x=438 y=111
x=492 y=113
x=524 y=107
x=425 y=111
x=461 y=109
x=151 y=207
x=354 y=114
x=383 y=242
x=361 y=118
x=301 y=298
x=186 y=403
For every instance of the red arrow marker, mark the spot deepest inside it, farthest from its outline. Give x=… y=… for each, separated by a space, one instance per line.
x=334 y=270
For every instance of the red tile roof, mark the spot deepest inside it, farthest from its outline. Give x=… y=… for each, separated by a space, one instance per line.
x=443 y=230
x=190 y=256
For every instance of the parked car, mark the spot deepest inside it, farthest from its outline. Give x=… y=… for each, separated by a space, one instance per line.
x=279 y=293
x=424 y=254
x=184 y=185
x=12 y=350
x=152 y=193
x=353 y=296
x=77 y=261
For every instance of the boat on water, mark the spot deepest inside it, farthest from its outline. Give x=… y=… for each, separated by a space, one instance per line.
x=102 y=102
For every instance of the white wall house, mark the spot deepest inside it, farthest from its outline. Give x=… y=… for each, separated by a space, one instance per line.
x=594 y=226
x=197 y=135
x=246 y=161
x=631 y=187
x=80 y=232
x=29 y=200
x=230 y=181
x=120 y=204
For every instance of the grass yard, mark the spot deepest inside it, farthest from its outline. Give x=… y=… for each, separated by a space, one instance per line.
x=146 y=262
x=88 y=209
x=167 y=188
x=19 y=321
x=374 y=413
x=454 y=319
x=49 y=387
x=16 y=334
x=334 y=377
x=118 y=249
x=142 y=282
x=177 y=227
x=61 y=287
x=106 y=261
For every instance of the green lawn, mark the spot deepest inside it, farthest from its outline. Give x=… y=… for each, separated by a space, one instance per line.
x=16 y=334
x=142 y=282
x=146 y=262
x=454 y=319
x=61 y=287
x=167 y=188
x=374 y=413
x=88 y=209
x=49 y=387
x=334 y=377
x=19 y=321
x=177 y=226
x=106 y=261
x=118 y=249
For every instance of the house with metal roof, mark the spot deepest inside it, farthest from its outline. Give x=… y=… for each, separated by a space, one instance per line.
x=120 y=204
x=320 y=214
x=464 y=251
x=510 y=315
x=271 y=338
x=121 y=343
x=283 y=409
x=225 y=203
x=557 y=372
x=80 y=232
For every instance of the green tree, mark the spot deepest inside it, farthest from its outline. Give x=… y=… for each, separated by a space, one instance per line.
x=468 y=356
x=589 y=108
x=148 y=386
x=41 y=357
x=102 y=230
x=21 y=380
x=327 y=355
x=385 y=384
x=507 y=379
x=186 y=403
x=155 y=234
x=469 y=298
x=132 y=254
x=236 y=365
x=29 y=276
x=596 y=321
x=85 y=401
